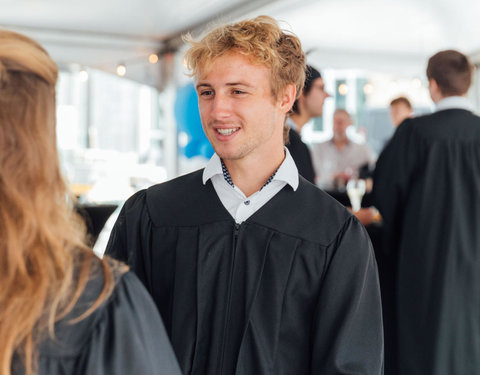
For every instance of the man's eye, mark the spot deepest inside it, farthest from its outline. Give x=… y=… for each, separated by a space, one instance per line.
x=238 y=92
x=206 y=93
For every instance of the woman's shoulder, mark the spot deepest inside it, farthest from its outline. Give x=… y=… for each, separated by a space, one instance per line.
x=73 y=330
x=123 y=335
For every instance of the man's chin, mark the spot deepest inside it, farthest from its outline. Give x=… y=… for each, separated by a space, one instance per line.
x=229 y=155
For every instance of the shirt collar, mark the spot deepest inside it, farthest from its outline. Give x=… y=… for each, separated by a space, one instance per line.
x=213 y=167
x=287 y=171
x=453 y=102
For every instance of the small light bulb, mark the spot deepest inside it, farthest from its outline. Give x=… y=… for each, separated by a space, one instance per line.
x=121 y=70
x=343 y=89
x=368 y=88
x=83 y=75
x=153 y=58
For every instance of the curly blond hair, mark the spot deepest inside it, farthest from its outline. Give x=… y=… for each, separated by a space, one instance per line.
x=262 y=41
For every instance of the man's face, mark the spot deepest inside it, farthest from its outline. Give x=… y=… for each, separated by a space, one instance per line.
x=399 y=112
x=315 y=98
x=341 y=121
x=239 y=114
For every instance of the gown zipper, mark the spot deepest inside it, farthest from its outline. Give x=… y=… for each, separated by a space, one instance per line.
x=236 y=230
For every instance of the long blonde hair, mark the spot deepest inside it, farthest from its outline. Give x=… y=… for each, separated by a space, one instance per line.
x=44 y=262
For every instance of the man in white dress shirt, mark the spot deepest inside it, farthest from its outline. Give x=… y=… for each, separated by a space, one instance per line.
x=337 y=159
x=255 y=270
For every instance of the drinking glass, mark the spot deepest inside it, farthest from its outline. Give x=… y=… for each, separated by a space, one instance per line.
x=355 y=192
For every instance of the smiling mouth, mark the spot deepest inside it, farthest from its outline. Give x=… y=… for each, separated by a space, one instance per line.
x=227 y=131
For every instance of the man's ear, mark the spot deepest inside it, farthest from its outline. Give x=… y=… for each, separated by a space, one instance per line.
x=288 y=97
x=435 y=92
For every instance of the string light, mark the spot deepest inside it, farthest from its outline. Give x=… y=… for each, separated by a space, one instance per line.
x=83 y=75
x=343 y=89
x=153 y=58
x=121 y=70
x=368 y=89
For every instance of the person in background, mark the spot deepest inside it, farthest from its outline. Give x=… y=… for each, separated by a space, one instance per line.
x=426 y=186
x=339 y=158
x=254 y=270
x=400 y=109
x=309 y=104
x=62 y=310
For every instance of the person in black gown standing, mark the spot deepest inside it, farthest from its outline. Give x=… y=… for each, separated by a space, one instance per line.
x=308 y=105
x=254 y=270
x=426 y=186
x=63 y=311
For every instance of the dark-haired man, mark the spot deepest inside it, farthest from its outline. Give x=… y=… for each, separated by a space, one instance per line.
x=426 y=186
x=254 y=270
x=309 y=104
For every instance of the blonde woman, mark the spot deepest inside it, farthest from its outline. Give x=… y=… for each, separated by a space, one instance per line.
x=62 y=310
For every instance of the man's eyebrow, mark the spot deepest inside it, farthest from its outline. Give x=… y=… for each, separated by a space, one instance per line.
x=202 y=85
x=208 y=85
x=239 y=84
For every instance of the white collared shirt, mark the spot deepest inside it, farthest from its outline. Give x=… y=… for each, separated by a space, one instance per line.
x=235 y=201
x=453 y=102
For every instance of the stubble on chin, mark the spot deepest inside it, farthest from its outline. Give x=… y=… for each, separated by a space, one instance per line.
x=234 y=155
x=230 y=156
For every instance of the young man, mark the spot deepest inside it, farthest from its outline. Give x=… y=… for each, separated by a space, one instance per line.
x=337 y=159
x=400 y=109
x=426 y=187
x=253 y=269
x=308 y=105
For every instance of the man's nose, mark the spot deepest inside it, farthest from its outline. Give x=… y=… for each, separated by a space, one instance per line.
x=221 y=106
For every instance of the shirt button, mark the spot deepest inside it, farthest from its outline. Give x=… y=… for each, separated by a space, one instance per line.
x=246 y=203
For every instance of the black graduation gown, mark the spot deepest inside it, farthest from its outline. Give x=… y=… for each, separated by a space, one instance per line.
x=301 y=155
x=427 y=188
x=124 y=336
x=292 y=290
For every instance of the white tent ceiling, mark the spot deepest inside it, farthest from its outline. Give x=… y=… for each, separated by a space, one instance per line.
x=392 y=35
x=383 y=34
